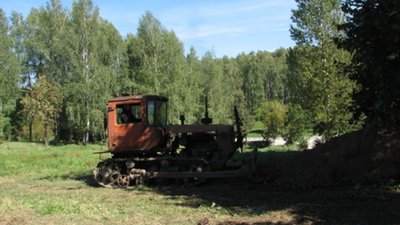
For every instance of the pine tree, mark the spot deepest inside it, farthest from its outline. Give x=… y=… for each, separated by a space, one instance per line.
x=373 y=33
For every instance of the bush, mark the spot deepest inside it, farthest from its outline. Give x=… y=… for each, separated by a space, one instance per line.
x=4 y=124
x=303 y=143
x=272 y=114
x=296 y=123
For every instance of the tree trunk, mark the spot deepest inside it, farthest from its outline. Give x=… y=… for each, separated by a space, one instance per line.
x=87 y=121
x=46 y=135
x=57 y=132
x=30 y=131
x=87 y=127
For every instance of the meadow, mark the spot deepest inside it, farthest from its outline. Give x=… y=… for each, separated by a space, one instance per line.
x=53 y=185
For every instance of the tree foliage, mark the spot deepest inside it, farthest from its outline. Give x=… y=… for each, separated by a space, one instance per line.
x=263 y=76
x=83 y=53
x=297 y=123
x=43 y=104
x=317 y=78
x=158 y=66
x=91 y=62
x=316 y=21
x=373 y=33
x=88 y=61
x=272 y=114
x=9 y=69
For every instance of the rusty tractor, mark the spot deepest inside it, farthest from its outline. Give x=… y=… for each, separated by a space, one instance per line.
x=145 y=148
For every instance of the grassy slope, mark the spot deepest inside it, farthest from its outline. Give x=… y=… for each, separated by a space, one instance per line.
x=53 y=186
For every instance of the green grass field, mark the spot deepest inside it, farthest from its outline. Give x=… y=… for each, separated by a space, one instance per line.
x=257 y=130
x=53 y=186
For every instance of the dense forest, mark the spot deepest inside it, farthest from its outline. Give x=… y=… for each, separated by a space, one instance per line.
x=59 y=66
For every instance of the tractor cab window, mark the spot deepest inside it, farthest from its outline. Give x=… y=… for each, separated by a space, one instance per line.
x=157 y=113
x=129 y=113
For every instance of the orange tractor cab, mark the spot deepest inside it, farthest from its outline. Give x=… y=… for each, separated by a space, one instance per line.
x=136 y=124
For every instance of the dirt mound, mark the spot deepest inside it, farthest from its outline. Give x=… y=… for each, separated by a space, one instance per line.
x=368 y=156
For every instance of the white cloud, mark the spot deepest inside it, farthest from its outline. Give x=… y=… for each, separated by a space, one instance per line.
x=242 y=7
x=220 y=10
x=206 y=31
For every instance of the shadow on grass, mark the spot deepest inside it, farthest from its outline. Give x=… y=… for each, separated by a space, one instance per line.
x=341 y=205
x=256 y=133
x=313 y=206
x=242 y=197
x=87 y=178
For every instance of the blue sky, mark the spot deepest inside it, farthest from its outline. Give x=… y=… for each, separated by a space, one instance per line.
x=226 y=27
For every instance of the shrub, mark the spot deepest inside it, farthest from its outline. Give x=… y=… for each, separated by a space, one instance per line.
x=272 y=114
x=296 y=123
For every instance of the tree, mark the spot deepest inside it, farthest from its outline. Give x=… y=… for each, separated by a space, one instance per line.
x=194 y=84
x=373 y=33
x=108 y=75
x=272 y=114
x=252 y=80
x=263 y=76
x=157 y=65
x=9 y=69
x=85 y=55
x=234 y=81
x=43 y=47
x=85 y=25
x=217 y=88
x=146 y=54
x=95 y=70
x=274 y=84
x=317 y=79
x=316 y=21
x=46 y=38
x=297 y=123
x=43 y=103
